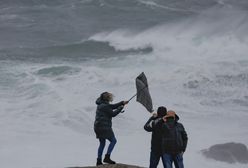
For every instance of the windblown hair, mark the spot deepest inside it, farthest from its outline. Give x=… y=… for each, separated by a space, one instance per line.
x=106 y=96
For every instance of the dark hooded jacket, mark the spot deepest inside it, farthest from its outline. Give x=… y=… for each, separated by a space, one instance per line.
x=103 y=120
x=174 y=140
x=156 y=141
x=154 y=125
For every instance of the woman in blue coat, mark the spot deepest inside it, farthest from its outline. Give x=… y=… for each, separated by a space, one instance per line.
x=103 y=124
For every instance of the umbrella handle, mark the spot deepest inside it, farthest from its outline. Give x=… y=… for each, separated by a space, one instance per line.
x=132 y=97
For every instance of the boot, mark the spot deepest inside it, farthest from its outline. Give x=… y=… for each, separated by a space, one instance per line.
x=98 y=162
x=108 y=160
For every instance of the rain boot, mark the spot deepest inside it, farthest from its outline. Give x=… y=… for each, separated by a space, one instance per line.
x=108 y=160
x=99 y=162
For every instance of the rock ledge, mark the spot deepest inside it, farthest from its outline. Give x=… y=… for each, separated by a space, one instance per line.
x=119 y=165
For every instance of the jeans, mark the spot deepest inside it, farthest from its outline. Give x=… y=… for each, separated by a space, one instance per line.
x=168 y=159
x=154 y=159
x=102 y=145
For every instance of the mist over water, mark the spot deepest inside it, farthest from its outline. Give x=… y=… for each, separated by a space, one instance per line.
x=56 y=57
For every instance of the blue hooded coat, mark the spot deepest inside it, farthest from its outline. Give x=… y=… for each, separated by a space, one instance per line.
x=103 y=120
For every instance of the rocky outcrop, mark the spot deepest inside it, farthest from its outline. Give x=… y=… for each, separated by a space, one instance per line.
x=110 y=166
x=228 y=152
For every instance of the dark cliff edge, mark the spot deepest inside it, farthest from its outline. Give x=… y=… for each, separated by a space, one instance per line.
x=119 y=165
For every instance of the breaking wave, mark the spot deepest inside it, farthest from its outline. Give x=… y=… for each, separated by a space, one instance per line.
x=57 y=71
x=86 y=50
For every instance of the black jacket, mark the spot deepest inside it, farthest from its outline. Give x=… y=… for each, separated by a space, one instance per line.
x=103 y=119
x=175 y=138
x=156 y=141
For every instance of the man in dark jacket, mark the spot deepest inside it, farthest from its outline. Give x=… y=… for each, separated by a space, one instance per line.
x=156 y=141
x=103 y=124
x=174 y=141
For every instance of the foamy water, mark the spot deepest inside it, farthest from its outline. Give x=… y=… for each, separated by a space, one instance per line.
x=196 y=66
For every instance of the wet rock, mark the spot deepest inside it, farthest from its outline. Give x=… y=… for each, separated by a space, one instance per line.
x=110 y=166
x=228 y=152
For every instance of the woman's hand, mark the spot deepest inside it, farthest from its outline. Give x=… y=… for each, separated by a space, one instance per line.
x=125 y=102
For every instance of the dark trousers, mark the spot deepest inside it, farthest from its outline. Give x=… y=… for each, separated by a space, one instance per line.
x=154 y=159
x=169 y=159
x=102 y=145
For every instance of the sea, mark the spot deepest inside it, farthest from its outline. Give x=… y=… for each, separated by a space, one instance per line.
x=58 y=56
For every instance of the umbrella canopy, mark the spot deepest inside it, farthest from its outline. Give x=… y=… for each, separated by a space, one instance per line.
x=143 y=95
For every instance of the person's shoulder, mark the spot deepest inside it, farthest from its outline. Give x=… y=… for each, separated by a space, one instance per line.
x=179 y=124
x=103 y=106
